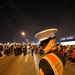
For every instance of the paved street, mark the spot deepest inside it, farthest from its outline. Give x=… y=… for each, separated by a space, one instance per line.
x=26 y=65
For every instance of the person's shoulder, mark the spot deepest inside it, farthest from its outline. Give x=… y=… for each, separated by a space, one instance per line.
x=61 y=57
x=43 y=62
x=45 y=66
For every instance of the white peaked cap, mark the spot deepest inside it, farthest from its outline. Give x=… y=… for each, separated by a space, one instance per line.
x=45 y=34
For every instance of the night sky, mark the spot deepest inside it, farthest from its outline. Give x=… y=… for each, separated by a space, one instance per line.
x=33 y=16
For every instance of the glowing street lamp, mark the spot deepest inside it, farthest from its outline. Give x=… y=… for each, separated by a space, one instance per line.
x=23 y=33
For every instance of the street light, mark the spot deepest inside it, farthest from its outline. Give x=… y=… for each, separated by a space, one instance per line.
x=23 y=33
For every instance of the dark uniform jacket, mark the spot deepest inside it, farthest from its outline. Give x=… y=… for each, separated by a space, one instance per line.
x=44 y=65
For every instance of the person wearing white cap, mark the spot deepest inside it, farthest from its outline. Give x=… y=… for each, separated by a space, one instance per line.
x=53 y=62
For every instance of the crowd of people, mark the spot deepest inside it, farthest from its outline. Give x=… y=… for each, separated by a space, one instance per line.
x=68 y=52
x=15 y=48
x=8 y=49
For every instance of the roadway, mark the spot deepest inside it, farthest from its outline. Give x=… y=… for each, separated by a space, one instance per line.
x=27 y=65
